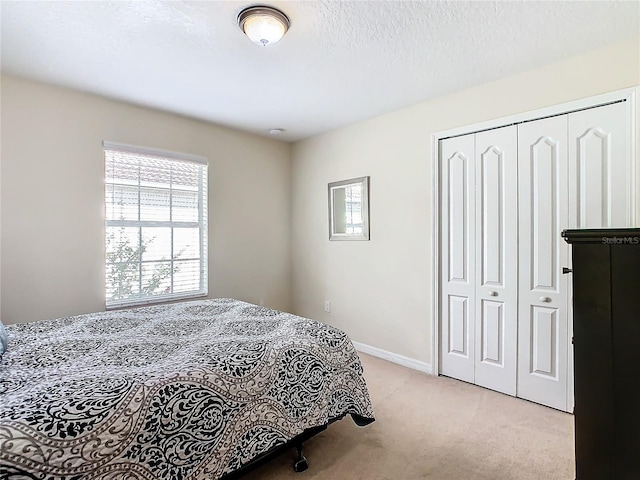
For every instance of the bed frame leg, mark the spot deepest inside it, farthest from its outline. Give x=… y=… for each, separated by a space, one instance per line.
x=301 y=464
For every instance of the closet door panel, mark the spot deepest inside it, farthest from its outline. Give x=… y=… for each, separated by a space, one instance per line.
x=600 y=168
x=496 y=251
x=507 y=193
x=543 y=213
x=602 y=184
x=458 y=257
x=544 y=342
x=492 y=324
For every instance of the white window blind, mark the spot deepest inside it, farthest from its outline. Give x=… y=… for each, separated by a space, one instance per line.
x=156 y=225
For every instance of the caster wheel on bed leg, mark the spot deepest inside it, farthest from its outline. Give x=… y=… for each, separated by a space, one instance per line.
x=300 y=465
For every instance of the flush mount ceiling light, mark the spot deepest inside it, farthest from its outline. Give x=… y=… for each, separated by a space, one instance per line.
x=263 y=25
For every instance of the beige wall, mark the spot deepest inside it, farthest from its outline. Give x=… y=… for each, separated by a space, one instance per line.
x=53 y=207
x=381 y=290
x=261 y=206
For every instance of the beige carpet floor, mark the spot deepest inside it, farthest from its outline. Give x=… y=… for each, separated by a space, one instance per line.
x=436 y=428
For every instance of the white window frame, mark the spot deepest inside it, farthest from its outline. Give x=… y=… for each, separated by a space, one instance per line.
x=201 y=224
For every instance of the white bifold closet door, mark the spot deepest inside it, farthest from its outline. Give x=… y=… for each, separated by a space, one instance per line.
x=506 y=196
x=574 y=171
x=543 y=322
x=601 y=176
x=496 y=242
x=458 y=254
x=479 y=248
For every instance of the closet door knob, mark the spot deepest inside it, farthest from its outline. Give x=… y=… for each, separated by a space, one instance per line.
x=493 y=293
x=545 y=299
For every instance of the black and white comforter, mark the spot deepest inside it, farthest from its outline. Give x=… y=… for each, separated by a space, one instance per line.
x=188 y=391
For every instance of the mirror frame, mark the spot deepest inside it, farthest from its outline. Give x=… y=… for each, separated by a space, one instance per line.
x=364 y=183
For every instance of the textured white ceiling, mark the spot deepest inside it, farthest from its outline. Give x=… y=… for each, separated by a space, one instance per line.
x=341 y=61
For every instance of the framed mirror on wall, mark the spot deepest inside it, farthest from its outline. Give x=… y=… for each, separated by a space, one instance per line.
x=349 y=209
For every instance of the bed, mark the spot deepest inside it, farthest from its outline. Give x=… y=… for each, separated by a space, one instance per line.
x=192 y=390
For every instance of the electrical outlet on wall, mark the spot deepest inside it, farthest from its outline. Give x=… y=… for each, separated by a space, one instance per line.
x=262 y=301
x=327 y=306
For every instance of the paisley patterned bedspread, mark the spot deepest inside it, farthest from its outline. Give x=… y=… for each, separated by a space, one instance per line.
x=190 y=391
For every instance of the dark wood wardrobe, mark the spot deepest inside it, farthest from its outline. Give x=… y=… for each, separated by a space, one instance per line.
x=606 y=345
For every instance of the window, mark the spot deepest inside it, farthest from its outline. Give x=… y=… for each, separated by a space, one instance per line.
x=156 y=225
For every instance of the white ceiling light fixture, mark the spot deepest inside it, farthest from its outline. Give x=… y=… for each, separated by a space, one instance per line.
x=263 y=25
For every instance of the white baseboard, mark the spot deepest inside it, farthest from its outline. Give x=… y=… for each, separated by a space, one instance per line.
x=394 y=357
